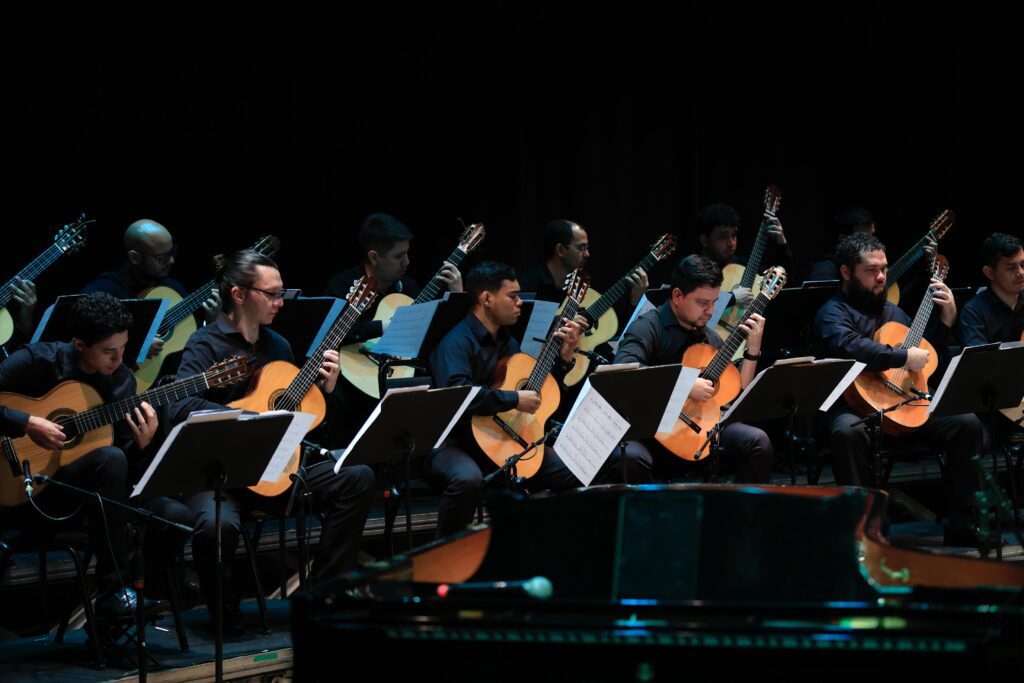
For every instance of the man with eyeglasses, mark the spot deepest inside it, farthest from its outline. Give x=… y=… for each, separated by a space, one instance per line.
x=149 y=257
x=661 y=336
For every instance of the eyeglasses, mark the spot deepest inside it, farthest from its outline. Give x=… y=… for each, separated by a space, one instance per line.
x=163 y=258
x=281 y=294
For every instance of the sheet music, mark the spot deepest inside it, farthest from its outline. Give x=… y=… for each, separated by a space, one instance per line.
x=407 y=330
x=538 y=326
x=724 y=298
x=592 y=430
x=841 y=387
x=297 y=429
x=684 y=383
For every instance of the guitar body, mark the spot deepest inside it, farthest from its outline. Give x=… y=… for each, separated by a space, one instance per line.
x=271 y=382
x=870 y=391
x=683 y=441
x=64 y=400
x=494 y=441
x=605 y=328
x=892 y=294
x=149 y=370
x=734 y=314
x=6 y=326
x=357 y=368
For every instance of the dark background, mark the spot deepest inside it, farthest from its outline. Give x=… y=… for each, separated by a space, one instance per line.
x=627 y=120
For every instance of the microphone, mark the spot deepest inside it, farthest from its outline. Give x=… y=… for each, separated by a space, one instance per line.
x=538 y=587
x=320 y=450
x=921 y=395
x=27 y=471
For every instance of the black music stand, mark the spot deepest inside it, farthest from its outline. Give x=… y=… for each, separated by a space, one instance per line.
x=147 y=314
x=788 y=390
x=305 y=321
x=194 y=459
x=405 y=423
x=788 y=332
x=640 y=396
x=984 y=380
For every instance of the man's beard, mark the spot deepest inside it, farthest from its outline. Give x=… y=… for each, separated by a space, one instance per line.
x=864 y=299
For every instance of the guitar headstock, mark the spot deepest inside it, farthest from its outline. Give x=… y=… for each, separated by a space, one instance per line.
x=362 y=293
x=268 y=245
x=664 y=247
x=773 y=282
x=942 y=224
x=229 y=371
x=471 y=238
x=576 y=285
x=772 y=199
x=940 y=267
x=71 y=237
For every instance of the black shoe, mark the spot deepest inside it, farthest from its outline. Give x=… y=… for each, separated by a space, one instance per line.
x=966 y=536
x=116 y=603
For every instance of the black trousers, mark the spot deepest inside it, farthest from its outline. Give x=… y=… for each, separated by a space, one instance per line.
x=343 y=498
x=959 y=437
x=743 y=449
x=458 y=472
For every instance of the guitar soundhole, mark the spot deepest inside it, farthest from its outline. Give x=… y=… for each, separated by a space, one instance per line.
x=63 y=417
x=275 y=399
x=521 y=385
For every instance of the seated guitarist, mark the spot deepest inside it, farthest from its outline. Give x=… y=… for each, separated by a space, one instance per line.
x=661 y=337
x=251 y=289
x=468 y=355
x=844 y=328
x=718 y=236
x=149 y=258
x=996 y=313
x=99 y=326
x=384 y=242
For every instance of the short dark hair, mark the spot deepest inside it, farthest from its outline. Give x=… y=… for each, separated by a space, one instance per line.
x=487 y=277
x=850 y=250
x=96 y=316
x=559 y=231
x=238 y=270
x=999 y=245
x=381 y=231
x=713 y=215
x=849 y=220
x=696 y=271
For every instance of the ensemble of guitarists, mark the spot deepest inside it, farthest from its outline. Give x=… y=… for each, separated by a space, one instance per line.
x=217 y=348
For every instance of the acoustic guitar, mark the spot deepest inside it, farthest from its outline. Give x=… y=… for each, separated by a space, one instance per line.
x=68 y=239
x=690 y=437
x=279 y=385
x=937 y=230
x=357 y=367
x=503 y=435
x=88 y=422
x=875 y=391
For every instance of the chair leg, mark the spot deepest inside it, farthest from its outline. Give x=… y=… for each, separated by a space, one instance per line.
x=282 y=553
x=90 y=615
x=250 y=551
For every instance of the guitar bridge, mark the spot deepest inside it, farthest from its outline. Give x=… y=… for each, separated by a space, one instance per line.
x=511 y=432
x=689 y=423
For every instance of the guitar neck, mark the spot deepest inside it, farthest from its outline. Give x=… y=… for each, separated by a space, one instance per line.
x=753 y=266
x=186 y=307
x=619 y=289
x=109 y=413
x=433 y=288
x=916 y=333
x=724 y=355
x=549 y=353
x=310 y=372
x=905 y=262
x=30 y=272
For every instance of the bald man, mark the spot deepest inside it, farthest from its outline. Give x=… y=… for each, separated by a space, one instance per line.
x=149 y=258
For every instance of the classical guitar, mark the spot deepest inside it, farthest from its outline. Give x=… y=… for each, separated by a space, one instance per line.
x=505 y=434
x=361 y=370
x=88 y=422
x=689 y=438
x=936 y=231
